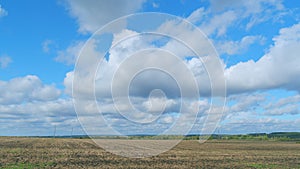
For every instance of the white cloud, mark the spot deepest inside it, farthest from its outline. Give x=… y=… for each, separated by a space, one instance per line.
x=197 y=15
x=289 y=105
x=68 y=82
x=248 y=6
x=68 y=56
x=124 y=34
x=46 y=45
x=220 y=16
x=125 y=49
x=245 y=102
x=238 y=47
x=93 y=14
x=258 y=109
x=5 y=61
x=39 y=118
x=291 y=109
x=3 y=12
x=124 y=59
x=246 y=123
x=183 y=45
x=267 y=73
x=155 y=5
x=87 y=65
x=26 y=89
x=243 y=77
x=237 y=75
x=219 y=23
x=27 y=100
x=40 y=109
x=257 y=112
x=284 y=101
x=278 y=68
x=29 y=107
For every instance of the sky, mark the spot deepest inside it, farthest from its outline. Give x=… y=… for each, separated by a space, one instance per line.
x=207 y=66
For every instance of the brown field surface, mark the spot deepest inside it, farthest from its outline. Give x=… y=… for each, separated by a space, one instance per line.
x=83 y=153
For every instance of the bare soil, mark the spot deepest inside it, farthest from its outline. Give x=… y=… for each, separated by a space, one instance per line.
x=84 y=153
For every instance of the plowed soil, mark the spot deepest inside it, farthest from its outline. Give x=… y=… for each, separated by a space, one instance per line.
x=84 y=153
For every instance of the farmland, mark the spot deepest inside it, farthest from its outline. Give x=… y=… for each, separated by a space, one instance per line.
x=17 y=152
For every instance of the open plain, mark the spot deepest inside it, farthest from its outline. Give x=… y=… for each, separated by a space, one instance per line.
x=16 y=152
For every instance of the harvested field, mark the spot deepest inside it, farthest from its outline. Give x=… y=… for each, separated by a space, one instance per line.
x=83 y=153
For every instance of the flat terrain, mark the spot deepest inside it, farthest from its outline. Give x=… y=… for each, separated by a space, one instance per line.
x=83 y=153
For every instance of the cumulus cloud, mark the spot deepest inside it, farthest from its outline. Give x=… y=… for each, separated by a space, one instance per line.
x=239 y=77
x=128 y=56
x=278 y=68
x=30 y=107
x=38 y=109
x=267 y=73
x=39 y=118
x=122 y=65
x=131 y=53
x=230 y=47
x=93 y=14
x=5 y=61
x=26 y=89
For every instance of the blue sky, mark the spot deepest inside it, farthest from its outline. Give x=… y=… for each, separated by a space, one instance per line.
x=258 y=43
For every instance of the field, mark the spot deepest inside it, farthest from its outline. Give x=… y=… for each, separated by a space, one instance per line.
x=83 y=153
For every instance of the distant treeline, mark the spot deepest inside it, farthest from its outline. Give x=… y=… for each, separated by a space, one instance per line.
x=275 y=136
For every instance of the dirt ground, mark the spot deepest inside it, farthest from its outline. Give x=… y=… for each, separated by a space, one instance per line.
x=83 y=153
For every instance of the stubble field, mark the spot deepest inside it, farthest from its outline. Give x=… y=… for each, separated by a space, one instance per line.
x=83 y=153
